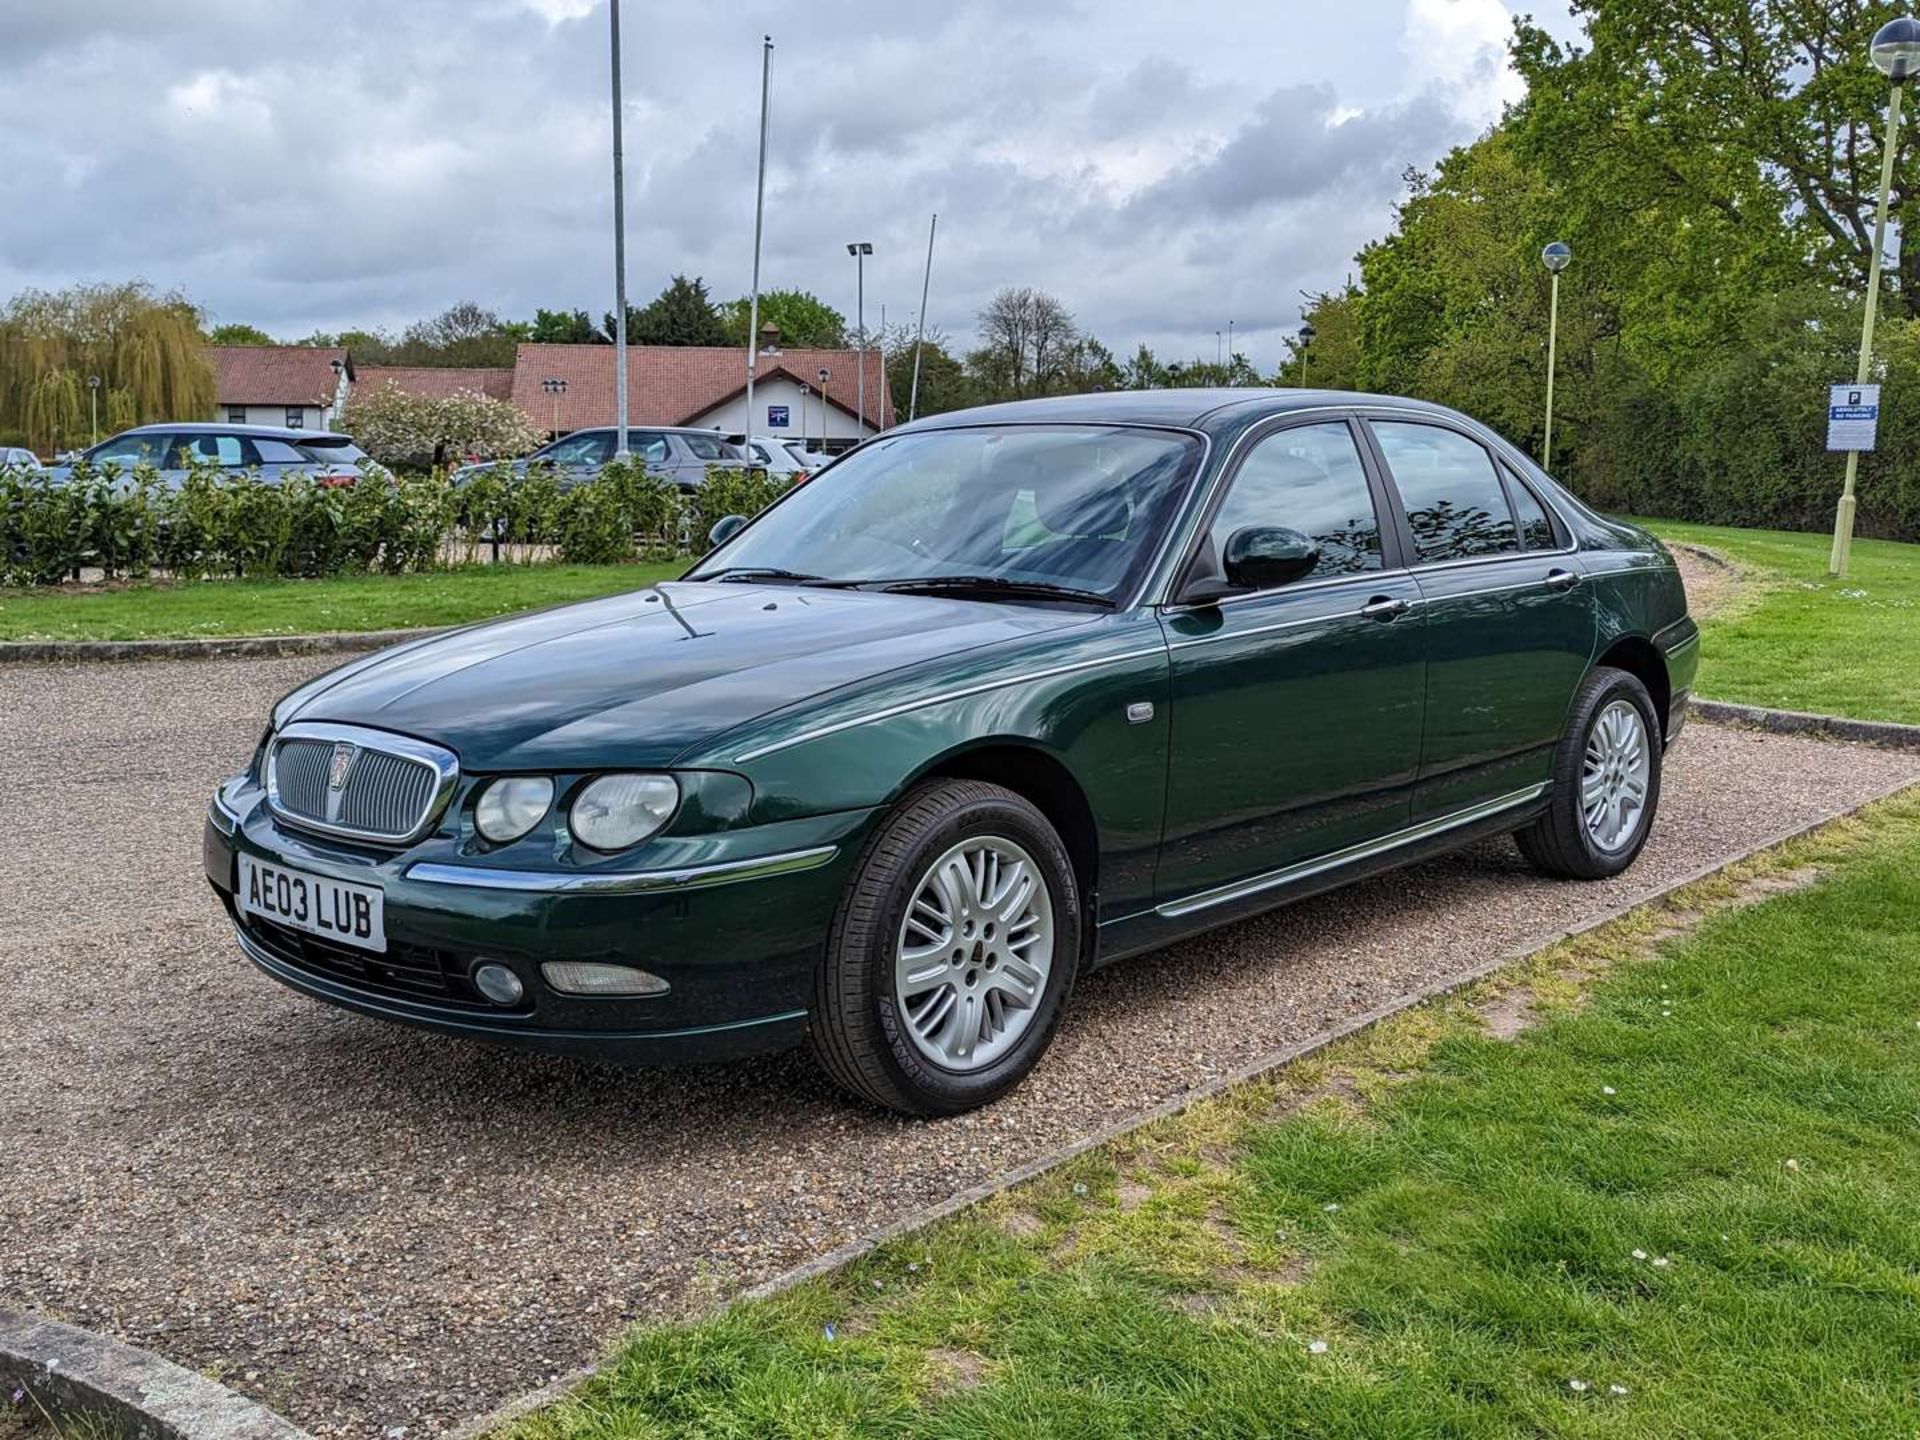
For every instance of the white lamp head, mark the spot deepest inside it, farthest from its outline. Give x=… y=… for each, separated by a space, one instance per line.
x=1557 y=256
x=1896 y=49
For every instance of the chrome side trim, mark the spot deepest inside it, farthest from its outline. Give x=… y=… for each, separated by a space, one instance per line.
x=907 y=706
x=1273 y=879
x=443 y=762
x=632 y=882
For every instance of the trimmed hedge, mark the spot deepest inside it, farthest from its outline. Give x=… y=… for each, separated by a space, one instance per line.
x=225 y=523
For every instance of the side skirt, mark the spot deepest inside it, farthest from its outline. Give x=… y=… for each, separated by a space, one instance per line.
x=1193 y=914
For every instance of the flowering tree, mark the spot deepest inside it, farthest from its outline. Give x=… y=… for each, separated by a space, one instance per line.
x=397 y=428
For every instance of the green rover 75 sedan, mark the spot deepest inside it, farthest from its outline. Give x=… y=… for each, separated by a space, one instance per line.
x=999 y=697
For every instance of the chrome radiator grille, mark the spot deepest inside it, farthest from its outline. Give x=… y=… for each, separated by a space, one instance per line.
x=360 y=784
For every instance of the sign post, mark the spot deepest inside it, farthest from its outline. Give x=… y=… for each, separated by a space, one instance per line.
x=1853 y=420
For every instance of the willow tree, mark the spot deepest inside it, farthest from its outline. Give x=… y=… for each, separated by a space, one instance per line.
x=146 y=350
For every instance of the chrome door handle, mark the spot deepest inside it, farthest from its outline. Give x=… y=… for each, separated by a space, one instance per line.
x=1385 y=607
x=1562 y=579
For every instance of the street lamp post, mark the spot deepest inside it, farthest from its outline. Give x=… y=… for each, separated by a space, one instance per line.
x=93 y=408
x=1556 y=257
x=619 y=254
x=1307 y=332
x=823 y=375
x=860 y=249
x=556 y=387
x=759 y=210
x=1896 y=54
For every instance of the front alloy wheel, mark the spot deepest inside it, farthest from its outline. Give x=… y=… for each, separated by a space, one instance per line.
x=952 y=952
x=974 y=953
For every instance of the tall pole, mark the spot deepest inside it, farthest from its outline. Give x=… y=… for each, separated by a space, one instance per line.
x=619 y=254
x=1556 y=257
x=1229 y=342
x=1218 y=354
x=860 y=378
x=926 y=279
x=1843 y=519
x=759 y=210
x=1553 y=350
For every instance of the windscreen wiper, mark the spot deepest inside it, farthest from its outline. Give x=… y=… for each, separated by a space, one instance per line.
x=752 y=574
x=990 y=586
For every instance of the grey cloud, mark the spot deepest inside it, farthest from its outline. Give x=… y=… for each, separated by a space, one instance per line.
x=1154 y=179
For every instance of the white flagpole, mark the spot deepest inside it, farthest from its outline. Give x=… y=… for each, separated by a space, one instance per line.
x=759 y=211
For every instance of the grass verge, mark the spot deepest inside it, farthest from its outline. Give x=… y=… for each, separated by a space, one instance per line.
x=300 y=607
x=1679 y=1202
x=1801 y=640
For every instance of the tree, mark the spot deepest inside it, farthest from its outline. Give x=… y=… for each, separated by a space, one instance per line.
x=681 y=314
x=1335 y=361
x=563 y=327
x=1029 y=346
x=464 y=334
x=233 y=334
x=1757 y=122
x=805 y=320
x=148 y=351
x=400 y=428
x=944 y=382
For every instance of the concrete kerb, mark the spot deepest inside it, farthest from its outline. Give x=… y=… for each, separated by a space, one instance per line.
x=853 y=1250
x=1799 y=722
x=72 y=1371
x=212 y=647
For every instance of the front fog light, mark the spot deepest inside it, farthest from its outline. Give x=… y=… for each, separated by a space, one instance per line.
x=577 y=977
x=498 y=983
x=616 y=811
x=509 y=808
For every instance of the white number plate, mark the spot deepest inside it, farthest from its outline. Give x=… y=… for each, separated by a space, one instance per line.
x=332 y=909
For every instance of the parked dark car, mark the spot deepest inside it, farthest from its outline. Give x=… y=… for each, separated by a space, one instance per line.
x=271 y=451
x=1001 y=696
x=678 y=454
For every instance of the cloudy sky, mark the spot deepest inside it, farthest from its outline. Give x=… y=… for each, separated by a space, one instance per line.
x=1160 y=167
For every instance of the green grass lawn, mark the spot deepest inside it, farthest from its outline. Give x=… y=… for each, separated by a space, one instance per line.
x=297 y=607
x=1804 y=641
x=1681 y=1205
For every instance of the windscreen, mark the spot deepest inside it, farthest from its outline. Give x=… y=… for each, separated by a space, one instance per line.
x=1078 y=506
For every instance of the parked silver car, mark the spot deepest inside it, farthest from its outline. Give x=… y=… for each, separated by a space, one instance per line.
x=15 y=457
x=678 y=453
x=779 y=458
x=275 y=453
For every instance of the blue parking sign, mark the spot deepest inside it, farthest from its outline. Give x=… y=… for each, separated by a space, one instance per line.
x=777 y=417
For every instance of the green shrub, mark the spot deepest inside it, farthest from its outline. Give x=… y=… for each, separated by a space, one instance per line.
x=221 y=522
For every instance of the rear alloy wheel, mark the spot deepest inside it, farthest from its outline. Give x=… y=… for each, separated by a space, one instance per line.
x=952 y=953
x=1606 y=783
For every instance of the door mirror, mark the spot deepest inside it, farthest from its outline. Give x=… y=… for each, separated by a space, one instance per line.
x=724 y=530
x=1262 y=557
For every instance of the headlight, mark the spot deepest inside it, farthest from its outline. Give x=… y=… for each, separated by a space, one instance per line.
x=616 y=811
x=509 y=808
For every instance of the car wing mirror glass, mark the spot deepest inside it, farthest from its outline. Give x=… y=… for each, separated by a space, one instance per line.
x=1262 y=557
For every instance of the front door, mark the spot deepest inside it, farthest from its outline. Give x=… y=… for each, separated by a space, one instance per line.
x=1510 y=629
x=1296 y=710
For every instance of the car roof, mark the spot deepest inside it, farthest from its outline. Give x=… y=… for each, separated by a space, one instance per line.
x=214 y=427
x=1208 y=410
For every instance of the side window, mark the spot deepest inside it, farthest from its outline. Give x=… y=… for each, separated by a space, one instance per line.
x=278 y=452
x=296 y=417
x=1310 y=479
x=706 y=447
x=130 y=450
x=236 y=414
x=592 y=448
x=204 y=449
x=1536 y=527
x=1455 y=503
x=649 y=449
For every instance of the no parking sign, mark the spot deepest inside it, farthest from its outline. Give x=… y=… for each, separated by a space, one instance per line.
x=1853 y=417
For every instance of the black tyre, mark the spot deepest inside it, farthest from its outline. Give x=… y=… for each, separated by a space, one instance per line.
x=1606 y=783
x=952 y=953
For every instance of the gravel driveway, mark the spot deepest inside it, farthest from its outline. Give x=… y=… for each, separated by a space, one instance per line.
x=369 y=1227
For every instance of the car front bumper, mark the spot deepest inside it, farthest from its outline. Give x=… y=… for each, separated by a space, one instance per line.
x=734 y=923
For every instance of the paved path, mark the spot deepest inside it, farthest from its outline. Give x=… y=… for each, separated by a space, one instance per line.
x=368 y=1227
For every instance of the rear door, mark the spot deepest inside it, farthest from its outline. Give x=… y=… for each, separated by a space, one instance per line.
x=1510 y=627
x=1296 y=710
